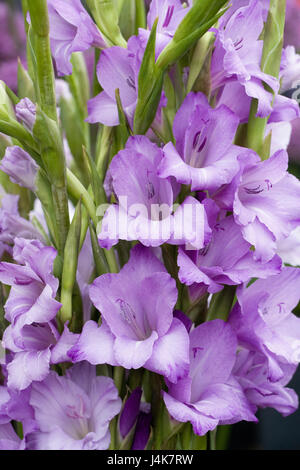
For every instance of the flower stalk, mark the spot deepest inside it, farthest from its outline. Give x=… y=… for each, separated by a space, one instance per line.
x=54 y=160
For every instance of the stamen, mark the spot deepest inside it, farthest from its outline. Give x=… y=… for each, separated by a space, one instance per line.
x=204 y=250
x=128 y=314
x=168 y=17
x=218 y=228
x=269 y=184
x=202 y=145
x=150 y=190
x=130 y=82
x=238 y=44
x=256 y=190
x=196 y=139
x=281 y=307
x=195 y=351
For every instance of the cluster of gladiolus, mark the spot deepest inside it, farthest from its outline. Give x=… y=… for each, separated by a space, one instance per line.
x=149 y=227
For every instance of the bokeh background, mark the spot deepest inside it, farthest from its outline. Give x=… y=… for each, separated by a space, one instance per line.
x=273 y=432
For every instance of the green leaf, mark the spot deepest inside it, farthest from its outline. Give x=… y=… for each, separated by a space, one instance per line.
x=273 y=38
x=147 y=69
x=221 y=304
x=201 y=17
x=270 y=64
x=25 y=84
x=123 y=129
x=74 y=127
x=97 y=187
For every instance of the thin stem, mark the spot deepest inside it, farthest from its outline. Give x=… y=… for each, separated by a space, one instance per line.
x=213 y=439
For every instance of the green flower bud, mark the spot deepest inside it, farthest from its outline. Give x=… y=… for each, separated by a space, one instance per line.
x=106 y=17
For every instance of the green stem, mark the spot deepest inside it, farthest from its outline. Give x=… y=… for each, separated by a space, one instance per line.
x=213 y=439
x=111 y=260
x=221 y=304
x=140 y=15
x=118 y=378
x=176 y=430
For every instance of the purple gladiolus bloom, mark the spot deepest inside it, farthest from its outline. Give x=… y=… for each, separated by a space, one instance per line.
x=20 y=167
x=31 y=345
x=73 y=412
x=234 y=97
x=227 y=259
x=210 y=395
x=31 y=306
x=14 y=405
x=284 y=110
x=237 y=4
x=71 y=30
x=32 y=296
x=26 y=112
x=263 y=320
x=204 y=156
x=117 y=68
x=266 y=203
x=251 y=370
x=134 y=332
x=238 y=54
x=145 y=202
x=35 y=347
x=12 y=224
x=170 y=13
